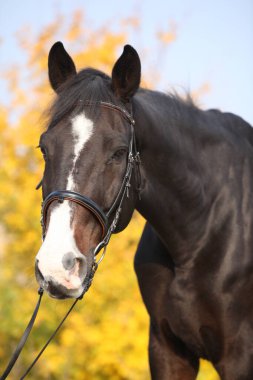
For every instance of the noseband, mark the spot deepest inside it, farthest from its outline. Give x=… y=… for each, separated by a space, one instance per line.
x=133 y=163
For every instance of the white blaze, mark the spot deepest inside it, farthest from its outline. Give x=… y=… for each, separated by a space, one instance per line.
x=59 y=239
x=82 y=130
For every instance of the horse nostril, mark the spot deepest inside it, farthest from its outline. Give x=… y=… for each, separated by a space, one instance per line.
x=75 y=265
x=69 y=261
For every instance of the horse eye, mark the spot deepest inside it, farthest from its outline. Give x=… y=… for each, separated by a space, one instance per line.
x=118 y=155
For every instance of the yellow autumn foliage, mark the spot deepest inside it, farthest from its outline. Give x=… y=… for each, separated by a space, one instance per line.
x=168 y=36
x=106 y=336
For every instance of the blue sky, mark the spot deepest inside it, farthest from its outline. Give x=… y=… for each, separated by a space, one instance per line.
x=214 y=42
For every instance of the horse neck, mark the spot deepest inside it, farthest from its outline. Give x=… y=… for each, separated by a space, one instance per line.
x=173 y=190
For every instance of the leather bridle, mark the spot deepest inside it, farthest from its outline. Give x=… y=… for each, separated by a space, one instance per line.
x=133 y=164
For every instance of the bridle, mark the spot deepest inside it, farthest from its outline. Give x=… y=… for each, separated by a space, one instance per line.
x=133 y=164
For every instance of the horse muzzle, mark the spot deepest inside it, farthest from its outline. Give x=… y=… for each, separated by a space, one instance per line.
x=63 y=279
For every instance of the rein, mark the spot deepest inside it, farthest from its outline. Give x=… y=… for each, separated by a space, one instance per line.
x=133 y=163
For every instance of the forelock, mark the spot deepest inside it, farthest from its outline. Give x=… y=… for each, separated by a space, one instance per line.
x=89 y=85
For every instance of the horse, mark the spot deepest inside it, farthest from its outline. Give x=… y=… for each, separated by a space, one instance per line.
x=112 y=147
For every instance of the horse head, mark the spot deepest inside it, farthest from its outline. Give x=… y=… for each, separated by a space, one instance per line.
x=89 y=153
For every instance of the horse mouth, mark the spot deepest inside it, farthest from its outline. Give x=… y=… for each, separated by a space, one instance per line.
x=61 y=289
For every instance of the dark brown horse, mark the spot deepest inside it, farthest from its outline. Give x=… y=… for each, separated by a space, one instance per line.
x=194 y=186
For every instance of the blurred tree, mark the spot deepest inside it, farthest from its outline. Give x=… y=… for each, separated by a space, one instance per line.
x=106 y=336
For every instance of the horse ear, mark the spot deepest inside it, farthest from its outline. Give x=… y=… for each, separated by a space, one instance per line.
x=60 y=66
x=126 y=74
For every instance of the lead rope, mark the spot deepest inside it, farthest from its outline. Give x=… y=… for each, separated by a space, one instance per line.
x=23 y=338
x=49 y=340
x=31 y=323
x=86 y=287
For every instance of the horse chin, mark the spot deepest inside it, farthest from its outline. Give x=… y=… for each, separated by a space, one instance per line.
x=60 y=292
x=59 y=296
